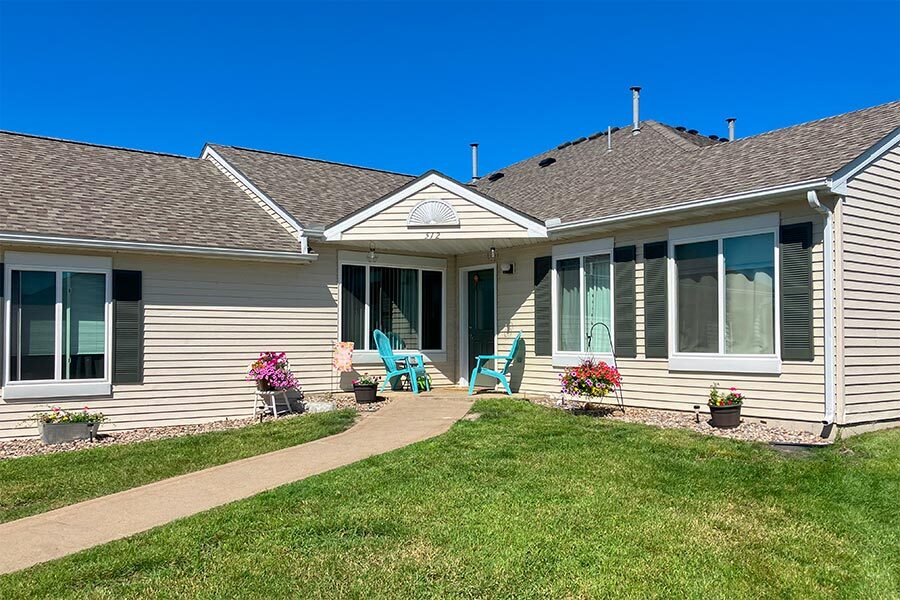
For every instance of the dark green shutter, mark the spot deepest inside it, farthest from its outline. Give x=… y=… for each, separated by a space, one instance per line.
x=624 y=302
x=656 y=330
x=128 y=327
x=796 y=292
x=543 y=309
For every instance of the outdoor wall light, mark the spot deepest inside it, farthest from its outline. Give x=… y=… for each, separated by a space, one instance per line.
x=372 y=256
x=493 y=253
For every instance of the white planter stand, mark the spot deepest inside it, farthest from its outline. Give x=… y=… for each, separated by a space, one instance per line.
x=268 y=401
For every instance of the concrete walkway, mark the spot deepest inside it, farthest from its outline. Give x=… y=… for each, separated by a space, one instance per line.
x=53 y=534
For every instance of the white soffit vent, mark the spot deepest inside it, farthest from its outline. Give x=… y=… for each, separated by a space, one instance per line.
x=432 y=213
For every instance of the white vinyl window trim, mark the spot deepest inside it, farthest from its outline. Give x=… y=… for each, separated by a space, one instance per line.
x=56 y=387
x=369 y=356
x=580 y=250
x=720 y=362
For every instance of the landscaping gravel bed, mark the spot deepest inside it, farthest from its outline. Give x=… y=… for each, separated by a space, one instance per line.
x=32 y=447
x=668 y=419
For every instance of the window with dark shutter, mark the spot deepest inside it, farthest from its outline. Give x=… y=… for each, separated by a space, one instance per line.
x=656 y=339
x=128 y=327
x=796 y=292
x=543 y=309
x=624 y=302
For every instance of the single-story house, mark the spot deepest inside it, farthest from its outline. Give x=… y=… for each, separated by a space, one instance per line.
x=143 y=284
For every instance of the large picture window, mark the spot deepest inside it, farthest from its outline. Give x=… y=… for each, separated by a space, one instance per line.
x=57 y=325
x=406 y=304
x=725 y=290
x=583 y=319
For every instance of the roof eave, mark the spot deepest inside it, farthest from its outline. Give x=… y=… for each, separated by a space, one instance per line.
x=31 y=239
x=587 y=224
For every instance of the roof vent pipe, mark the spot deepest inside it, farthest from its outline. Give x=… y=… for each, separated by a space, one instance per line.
x=609 y=138
x=730 y=121
x=474 y=161
x=636 y=110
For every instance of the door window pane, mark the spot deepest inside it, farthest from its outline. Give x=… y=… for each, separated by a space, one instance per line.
x=597 y=303
x=394 y=306
x=568 y=274
x=697 y=278
x=432 y=317
x=32 y=325
x=353 y=305
x=750 y=294
x=83 y=325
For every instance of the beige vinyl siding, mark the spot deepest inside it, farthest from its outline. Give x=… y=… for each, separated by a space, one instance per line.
x=252 y=195
x=871 y=292
x=797 y=394
x=474 y=221
x=206 y=320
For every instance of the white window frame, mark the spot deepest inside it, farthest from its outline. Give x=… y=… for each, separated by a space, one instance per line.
x=369 y=355
x=720 y=362
x=56 y=387
x=580 y=250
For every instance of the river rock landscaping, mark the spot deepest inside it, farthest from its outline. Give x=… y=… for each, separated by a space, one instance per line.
x=670 y=419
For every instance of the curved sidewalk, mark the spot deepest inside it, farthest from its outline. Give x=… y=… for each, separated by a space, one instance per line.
x=59 y=532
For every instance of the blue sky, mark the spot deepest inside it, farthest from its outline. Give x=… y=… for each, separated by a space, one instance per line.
x=406 y=86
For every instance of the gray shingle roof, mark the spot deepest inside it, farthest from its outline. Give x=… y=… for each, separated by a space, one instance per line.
x=314 y=192
x=62 y=188
x=662 y=167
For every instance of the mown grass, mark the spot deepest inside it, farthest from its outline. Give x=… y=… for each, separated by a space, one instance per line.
x=528 y=502
x=36 y=484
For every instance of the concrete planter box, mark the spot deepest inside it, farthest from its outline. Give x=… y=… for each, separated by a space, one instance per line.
x=60 y=433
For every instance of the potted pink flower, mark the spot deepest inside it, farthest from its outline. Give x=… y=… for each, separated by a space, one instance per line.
x=725 y=409
x=272 y=371
x=365 y=388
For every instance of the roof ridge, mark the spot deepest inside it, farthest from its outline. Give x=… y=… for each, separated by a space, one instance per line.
x=319 y=160
x=670 y=133
x=829 y=118
x=94 y=145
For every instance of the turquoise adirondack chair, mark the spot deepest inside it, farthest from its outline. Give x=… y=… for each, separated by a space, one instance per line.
x=398 y=365
x=502 y=374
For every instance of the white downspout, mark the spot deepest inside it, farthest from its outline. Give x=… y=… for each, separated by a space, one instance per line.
x=815 y=204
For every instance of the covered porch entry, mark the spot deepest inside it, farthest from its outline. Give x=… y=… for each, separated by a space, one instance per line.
x=425 y=267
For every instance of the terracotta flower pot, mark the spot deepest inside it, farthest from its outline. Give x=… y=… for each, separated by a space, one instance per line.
x=365 y=393
x=725 y=417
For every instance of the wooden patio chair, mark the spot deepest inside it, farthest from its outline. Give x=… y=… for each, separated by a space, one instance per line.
x=501 y=375
x=398 y=365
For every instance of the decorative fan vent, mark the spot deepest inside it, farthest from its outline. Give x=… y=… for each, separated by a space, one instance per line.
x=431 y=213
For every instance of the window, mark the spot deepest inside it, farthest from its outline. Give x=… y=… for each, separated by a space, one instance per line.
x=582 y=299
x=57 y=331
x=405 y=303
x=725 y=296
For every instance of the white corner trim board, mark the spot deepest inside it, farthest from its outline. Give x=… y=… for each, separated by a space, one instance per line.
x=535 y=228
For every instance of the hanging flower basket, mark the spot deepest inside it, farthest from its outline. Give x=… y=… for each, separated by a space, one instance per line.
x=590 y=380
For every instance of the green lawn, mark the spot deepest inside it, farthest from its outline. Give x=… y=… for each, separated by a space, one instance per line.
x=40 y=483
x=528 y=502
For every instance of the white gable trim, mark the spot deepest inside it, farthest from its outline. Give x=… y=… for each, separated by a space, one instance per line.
x=535 y=228
x=209 y=153
x=838 y=181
